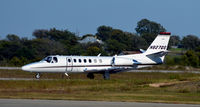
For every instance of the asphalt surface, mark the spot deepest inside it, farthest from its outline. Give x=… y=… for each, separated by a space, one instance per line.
x=11 y=68
x=163 y=71
x=66 y=103
x=26 y=79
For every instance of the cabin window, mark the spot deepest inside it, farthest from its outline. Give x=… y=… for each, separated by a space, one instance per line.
x=74 y=60
x=55 y=59
x=95 y=60
x=100 y=60
x=90 y=61
x=79 y=60
x=85 y=60
x=69 y=60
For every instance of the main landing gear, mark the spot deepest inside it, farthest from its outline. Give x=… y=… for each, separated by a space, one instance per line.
x=106 y=75
x=37 y=76
x=90 y=75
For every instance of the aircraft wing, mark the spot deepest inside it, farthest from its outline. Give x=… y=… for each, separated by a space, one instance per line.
x=111 y=70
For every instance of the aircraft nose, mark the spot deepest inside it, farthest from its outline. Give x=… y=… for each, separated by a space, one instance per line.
x=26 y=68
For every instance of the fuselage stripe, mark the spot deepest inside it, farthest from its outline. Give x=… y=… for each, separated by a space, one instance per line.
x=94 y=66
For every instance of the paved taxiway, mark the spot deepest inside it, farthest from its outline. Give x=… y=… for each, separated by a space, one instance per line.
x=26 y=79
x=163 y=71
x=66 y=103
x=11 y=68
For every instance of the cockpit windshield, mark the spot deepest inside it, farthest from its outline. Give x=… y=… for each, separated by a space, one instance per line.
x=50 y=59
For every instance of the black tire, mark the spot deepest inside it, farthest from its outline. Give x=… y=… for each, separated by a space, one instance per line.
x=90 y=75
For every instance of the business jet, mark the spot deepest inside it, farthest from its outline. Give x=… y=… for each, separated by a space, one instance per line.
x=105 y=65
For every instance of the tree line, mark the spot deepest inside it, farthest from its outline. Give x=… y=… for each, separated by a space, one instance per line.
x=16 y=51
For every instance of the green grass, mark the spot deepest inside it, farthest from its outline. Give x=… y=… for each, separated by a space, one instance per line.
x=176 y=49
x=122 y=87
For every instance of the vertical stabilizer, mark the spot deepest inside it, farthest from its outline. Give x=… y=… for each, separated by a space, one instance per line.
x=160 y=43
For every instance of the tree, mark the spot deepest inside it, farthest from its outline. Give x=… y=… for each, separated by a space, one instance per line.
x=191 y=59
x=174 y=41
x=13 y=38
x=120 y=36
x=190 y=42
x=197 y=49
x=64 y=36
x=44 y=47
x=76 y=50
x=104 y=32
x=8 y=49
x=114 y=47
x=146 y=26
x=41 y=33
x=148 y=37
x=15 y=61
x=137 y=42
x=93 y=51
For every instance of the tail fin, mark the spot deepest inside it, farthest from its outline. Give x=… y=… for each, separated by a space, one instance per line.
x=160 y=43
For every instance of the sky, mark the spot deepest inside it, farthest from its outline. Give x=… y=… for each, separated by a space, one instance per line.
x=22 y=17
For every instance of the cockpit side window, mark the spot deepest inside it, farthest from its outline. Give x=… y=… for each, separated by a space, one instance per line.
x=55 y=59
x=69 y=60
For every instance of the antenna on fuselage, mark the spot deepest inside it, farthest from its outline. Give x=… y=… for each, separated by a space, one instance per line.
x=99 y=55
x=113 y=60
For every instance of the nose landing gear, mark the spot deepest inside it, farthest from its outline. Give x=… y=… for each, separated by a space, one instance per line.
x=37 y=76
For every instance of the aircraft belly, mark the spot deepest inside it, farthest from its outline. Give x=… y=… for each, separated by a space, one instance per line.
x=77 y=69
x=48 y=70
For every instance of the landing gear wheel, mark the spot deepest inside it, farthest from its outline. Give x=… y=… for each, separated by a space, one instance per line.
x=90 y=75
x=37 y=76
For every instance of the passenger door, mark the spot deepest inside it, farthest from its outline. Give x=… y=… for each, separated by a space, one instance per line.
x=69 y=63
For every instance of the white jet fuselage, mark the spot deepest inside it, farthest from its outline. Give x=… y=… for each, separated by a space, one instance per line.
x=69 y=64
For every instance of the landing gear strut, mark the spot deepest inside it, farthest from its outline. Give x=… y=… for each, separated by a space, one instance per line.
x=90 y=75
x=66 y=74
x=106 y=75
x=37 y=76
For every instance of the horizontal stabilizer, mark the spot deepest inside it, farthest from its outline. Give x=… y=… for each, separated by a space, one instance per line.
x=142 y=50
x=158 y=54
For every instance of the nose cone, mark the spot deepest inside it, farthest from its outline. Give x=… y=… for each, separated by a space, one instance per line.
x=26 y=68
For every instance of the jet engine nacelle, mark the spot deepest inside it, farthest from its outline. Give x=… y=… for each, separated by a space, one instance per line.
x=122 y=61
